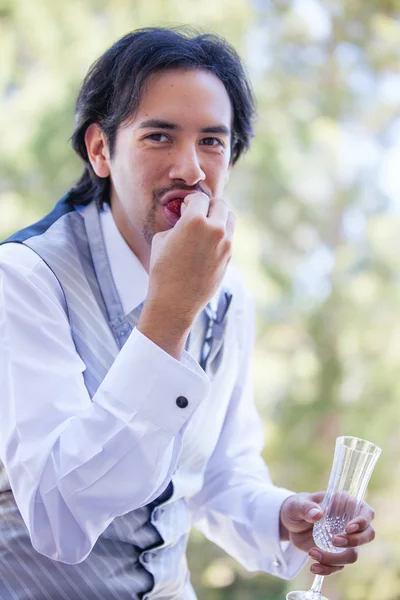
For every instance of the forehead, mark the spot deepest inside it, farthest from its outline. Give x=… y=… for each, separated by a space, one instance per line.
x=188 y=97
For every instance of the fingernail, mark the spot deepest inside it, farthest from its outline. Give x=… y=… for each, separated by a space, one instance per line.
x=316 y=569
x=340 y=541
x=315 y=554
x=353 y=528
x=313 y=512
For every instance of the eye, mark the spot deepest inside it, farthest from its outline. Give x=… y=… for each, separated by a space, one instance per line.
x=156 y=137
x=212 y=141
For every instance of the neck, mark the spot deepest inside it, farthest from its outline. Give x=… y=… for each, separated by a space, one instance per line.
x=131 y=235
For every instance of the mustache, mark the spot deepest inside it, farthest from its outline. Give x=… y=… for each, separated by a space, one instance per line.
x=158 y=194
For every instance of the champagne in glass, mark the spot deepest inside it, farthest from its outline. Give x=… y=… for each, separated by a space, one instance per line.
x=353 y=463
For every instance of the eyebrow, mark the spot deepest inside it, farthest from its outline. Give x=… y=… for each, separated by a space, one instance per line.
x=160 y=124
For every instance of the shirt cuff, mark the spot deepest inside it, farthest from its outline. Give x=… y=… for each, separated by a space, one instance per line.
x=145 y=380
x=282 y=559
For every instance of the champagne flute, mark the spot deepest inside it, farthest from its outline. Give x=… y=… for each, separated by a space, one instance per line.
x=353 y=463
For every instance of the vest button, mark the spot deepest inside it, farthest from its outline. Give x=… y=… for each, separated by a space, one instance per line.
x=182 y=402
x=157 y=514
x=147 y=556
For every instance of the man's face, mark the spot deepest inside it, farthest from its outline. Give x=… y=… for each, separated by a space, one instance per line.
x=178 y=141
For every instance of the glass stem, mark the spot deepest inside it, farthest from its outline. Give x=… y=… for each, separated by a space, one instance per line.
x=317 y=584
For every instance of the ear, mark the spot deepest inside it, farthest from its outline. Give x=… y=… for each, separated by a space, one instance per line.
x=97 y=149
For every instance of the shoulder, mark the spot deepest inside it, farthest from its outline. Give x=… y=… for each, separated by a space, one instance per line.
x=22 y=271
x=18 y=257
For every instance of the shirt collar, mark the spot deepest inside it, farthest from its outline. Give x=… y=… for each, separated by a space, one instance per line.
x=130 y=277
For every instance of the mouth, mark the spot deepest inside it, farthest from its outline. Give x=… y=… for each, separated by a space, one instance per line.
x=172 y=210
x=174 y=205
x=178 y=194
x=172 y=202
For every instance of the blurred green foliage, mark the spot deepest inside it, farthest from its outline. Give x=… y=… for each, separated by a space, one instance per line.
x=318 y=229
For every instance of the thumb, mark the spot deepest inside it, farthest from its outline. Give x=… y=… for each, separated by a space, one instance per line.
x=298 y=509
x=312 y=512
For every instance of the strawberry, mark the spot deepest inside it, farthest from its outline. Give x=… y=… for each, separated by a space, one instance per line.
x=175 y=206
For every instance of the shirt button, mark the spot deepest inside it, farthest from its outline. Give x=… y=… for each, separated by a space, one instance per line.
x=182 y=402
x=277 y=564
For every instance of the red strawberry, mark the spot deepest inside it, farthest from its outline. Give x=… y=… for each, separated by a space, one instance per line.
x=175 y=206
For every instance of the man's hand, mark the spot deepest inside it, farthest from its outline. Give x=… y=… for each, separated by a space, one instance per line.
x=187 y=265
x=298 y=515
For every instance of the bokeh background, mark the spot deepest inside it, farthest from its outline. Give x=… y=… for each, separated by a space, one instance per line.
x=318 y=205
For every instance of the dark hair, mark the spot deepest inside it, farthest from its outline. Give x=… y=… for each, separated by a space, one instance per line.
x=111 y=92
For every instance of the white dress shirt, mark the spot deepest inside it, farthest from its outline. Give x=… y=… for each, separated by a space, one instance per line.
x=67 y=456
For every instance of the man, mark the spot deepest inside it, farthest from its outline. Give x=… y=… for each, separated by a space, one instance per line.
x=126 y=405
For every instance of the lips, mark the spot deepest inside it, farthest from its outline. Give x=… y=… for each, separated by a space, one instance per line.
x=176 y=195
x=172 y=202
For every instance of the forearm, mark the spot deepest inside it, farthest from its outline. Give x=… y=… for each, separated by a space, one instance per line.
x=167 y=328
x=69 y=469
x=243 y=519
x=74 y=499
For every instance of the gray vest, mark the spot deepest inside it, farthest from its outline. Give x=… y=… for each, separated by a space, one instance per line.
x=71 y=242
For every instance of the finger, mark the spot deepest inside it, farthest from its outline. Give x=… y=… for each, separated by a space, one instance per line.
x=330 y=559
x=355 y=539
x=195 y=204
x=324 y=570
x=218 y=212
x=303 y=540
x=362 y=520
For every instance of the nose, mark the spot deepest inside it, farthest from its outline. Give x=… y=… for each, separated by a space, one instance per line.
x=186 y=166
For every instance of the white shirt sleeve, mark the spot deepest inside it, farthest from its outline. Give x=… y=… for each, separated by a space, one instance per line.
x=238 y=506
x=67 y=457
